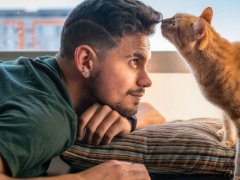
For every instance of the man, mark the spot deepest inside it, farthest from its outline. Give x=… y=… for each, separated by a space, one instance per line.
x=91 y=86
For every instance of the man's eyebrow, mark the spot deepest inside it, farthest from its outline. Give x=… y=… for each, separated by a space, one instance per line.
x=142 y=56
x=138 y=55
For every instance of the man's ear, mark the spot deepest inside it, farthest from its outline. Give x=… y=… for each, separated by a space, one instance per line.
x=84 y=57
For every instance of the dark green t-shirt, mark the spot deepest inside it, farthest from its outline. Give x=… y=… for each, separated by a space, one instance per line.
x=37 y=121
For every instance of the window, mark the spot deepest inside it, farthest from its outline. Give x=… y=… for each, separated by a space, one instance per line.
x=32 y=25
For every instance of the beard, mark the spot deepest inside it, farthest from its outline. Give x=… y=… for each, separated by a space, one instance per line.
x=124 y=111
x=96 y=84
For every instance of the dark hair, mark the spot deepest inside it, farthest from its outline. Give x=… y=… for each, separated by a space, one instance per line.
x=101 y=23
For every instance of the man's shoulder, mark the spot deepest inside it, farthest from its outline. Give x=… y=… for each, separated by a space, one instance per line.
x=34 y=104
x=24 y=75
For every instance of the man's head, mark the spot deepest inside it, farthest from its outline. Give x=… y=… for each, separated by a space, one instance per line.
x=108 y=41
x=102 y=23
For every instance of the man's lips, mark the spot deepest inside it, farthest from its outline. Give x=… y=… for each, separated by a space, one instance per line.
x=139 y=95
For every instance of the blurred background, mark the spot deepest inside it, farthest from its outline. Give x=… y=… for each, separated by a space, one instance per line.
x=36 y=24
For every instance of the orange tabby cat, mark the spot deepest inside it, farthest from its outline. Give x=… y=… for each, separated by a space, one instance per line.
x=215 y=63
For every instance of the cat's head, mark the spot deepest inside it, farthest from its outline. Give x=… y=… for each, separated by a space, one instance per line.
x=188 y=31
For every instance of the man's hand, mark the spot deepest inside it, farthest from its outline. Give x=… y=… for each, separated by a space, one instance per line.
x=100 y=124
x=117 y=170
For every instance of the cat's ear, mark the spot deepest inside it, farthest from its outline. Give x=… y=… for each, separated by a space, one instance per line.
x=199 y=28
x=207 y=14
x=200 y=34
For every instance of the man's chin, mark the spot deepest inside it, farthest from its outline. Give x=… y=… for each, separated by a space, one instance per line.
x=126 y=111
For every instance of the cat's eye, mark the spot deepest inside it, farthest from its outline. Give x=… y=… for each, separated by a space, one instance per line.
x=174 y=23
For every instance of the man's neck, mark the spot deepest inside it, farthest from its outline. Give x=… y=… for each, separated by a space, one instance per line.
x=75 y=85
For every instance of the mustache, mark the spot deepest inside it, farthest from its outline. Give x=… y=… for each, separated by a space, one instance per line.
x=139 y=90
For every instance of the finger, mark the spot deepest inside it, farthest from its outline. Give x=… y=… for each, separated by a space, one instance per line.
x=119 y=127
x=104 y=126
x=95 y=121
x=83 y=120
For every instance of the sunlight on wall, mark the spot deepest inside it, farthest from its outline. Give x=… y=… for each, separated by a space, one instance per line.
x=177 y=96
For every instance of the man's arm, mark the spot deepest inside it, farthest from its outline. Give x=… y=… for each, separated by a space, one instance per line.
x=112 y=169
x=3 y=170
x=3 y=167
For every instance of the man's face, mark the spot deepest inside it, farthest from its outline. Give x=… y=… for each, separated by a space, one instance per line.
x=119 y=80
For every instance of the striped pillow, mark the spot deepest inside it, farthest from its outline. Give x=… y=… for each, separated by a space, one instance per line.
x=189 y=147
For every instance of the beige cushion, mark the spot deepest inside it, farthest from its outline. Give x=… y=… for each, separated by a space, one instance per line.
x=190 y=147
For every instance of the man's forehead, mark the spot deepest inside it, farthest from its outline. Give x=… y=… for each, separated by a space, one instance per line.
x=138 y=39
x=138 y=43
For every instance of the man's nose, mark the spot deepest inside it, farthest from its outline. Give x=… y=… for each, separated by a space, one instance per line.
x=144 y=80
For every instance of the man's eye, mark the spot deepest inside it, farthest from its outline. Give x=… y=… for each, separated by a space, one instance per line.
x=134 y=62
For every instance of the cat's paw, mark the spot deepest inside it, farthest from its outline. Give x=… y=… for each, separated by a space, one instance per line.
x=220 y=133
x=228 y=144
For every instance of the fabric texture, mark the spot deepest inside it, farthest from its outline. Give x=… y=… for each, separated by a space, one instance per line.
x=37 y=121
x=184 y=147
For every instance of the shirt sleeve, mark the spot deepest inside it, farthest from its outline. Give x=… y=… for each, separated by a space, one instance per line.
x=34 y=129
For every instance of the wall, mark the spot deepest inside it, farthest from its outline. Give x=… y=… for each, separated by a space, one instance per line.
x=177 y=96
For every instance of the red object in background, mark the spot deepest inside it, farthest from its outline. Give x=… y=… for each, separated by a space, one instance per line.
x=20 y=30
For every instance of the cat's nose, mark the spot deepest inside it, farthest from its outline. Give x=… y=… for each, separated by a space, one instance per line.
x=166 y=20
x=165 y=23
